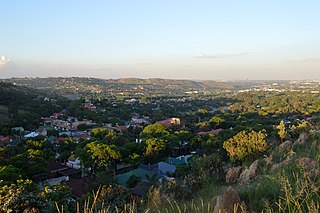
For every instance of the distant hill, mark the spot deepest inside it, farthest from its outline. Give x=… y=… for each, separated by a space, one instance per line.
x=96 y=85
x=24 y=106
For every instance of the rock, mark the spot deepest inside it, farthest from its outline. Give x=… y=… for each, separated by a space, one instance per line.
x=285 y=147
x=233 y=174
x=311 y=167
x=230 y=202
x=307 y=163
x=303 y=137
x=248 y=174
x=278 y=166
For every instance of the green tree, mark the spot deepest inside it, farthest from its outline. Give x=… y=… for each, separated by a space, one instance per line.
x=155 y=149
x=282 y=133
x=104 y=134
x=103 y=154
x=155 y=131
x=10 y=174
x=203 y=126
x=216 y=120
x=245 y=144
x=58 y=194
x=21 y=196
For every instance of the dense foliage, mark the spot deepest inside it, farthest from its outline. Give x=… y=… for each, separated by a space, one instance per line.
x=245 y=144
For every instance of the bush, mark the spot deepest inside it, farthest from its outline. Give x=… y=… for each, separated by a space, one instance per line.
x=245 y=144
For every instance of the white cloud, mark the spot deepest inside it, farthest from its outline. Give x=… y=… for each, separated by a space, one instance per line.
x=3 y=61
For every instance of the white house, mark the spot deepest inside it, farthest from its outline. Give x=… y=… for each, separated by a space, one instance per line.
x=73 y=162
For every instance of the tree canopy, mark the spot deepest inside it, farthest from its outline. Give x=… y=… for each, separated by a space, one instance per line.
x=245 y=144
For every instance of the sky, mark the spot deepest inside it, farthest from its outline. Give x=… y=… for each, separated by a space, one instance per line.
x=177 y=39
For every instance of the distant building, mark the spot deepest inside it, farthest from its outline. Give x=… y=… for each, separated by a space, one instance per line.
x=32 y=135
x=131 y=101
x=214 y=132
x=162 y=168
x=139 y=172
x=73 y=162
x=4 y=140
x=58 y=173
x=17 y=130
x=145 y=120
x=77 y=123
x=81 y=186
x=42 y=131
x=170 y=122
x=179 y=160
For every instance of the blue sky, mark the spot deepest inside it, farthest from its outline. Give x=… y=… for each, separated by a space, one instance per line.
x=169 y=39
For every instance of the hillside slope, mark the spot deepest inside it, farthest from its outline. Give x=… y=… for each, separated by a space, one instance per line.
x=136 y=85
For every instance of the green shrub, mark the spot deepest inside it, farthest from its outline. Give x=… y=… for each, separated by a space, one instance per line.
x=245 y=144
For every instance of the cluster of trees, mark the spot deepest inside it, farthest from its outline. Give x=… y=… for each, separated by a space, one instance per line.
x=277 y=103
x=22 y=106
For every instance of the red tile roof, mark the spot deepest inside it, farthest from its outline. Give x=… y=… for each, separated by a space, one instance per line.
x=169 y=122
x=80 y=187
x=4 y=139
x=83 y=136
x=55 y=166
x=214 y=131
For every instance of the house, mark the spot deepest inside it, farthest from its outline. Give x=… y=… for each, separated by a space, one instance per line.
x=121 y=128
x=32 y=135
x=161 y=168
x=77 y=123
x=144 y=120
x=56 y=115
x=54 y=177
x=42 y=131
x=60 y=124
x=213 y=131
x=170 y=122
x=73 y=162
x=179 y=160
x=131 y=101
x=88 y=105
x=144 y=174
x=84 y=136
x=73 y=134
x=58 y=173
x=81 y=186
x=17 y=130
x=4 y=140
x=59 y=140
x=123 y=167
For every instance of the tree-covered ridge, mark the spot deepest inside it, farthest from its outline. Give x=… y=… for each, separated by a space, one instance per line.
x=133 y=85
x=24 y=106
x=42 y=82
x=277 y=103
